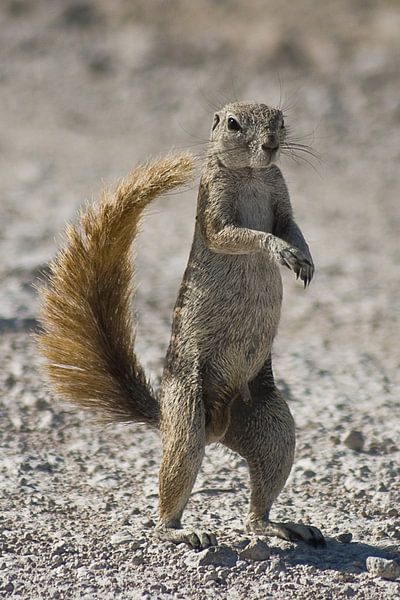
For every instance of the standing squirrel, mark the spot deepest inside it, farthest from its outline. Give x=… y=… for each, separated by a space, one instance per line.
x=217 y=384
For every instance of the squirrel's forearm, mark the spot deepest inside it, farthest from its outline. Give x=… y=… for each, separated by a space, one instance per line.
x=235 y=240
x=241 y=240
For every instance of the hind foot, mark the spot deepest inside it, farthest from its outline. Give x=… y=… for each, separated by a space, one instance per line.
x=292 y=532
x=194 y=539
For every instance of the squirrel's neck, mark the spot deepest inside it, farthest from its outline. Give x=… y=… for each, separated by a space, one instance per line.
x=214 y=164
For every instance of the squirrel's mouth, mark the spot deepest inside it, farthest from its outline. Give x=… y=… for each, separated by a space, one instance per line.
x=268 y=157
x=272 y=156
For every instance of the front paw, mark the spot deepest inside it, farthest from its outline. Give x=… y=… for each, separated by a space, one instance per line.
x=297 y=261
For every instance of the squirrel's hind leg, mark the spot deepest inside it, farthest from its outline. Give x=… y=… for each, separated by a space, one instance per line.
x=183 y=440
x=263 y=432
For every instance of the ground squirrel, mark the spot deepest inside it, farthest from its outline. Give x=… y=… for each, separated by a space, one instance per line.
x=217 y=384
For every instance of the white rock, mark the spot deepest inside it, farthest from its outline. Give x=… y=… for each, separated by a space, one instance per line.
x=82 y=573
x=382 y=567
x=218 y=556
x=256 y=550
x=384 y=500
x=121 y=537
x=45 y=421
x=354 y=484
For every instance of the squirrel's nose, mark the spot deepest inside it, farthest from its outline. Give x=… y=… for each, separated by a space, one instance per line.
x=271 y=143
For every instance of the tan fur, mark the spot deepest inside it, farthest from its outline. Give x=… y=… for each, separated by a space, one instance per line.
x=217 y=383
x=89 y=335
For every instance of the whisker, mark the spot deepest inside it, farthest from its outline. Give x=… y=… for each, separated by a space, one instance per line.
x=305 y=137
x=299 y=146
x=297 y=158
x=295 y=143
x=299 y=139
x=305 y=150
x=232 y=83
x=290 y=101
x=192 y=135
x=287 y=151
x=214 y=104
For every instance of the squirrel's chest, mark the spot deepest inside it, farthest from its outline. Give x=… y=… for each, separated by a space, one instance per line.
x=254 y=207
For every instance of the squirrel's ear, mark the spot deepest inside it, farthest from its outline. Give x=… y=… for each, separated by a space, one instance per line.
x=216 y=121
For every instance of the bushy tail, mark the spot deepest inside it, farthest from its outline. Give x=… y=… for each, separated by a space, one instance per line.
x=88 y=331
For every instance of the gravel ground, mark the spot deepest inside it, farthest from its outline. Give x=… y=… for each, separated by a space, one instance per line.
x=87 y=90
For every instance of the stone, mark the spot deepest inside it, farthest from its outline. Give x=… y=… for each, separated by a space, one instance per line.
x=82 y=573
x=262 y=567
x=345 y=538
x=121 y=537
x=255 y=550
x=309 y=474
x=349 y=591
x=137 y=560
x=60 y=547
x=223 y=573
x=210 y=576
x=218 y=556
x=354 y=440
x=148 y=523
x=356 y=486
x=383 y=567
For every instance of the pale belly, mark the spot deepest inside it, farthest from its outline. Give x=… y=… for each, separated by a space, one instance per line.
x=235 y=317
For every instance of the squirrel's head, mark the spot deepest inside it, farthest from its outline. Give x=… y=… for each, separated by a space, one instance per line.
x=246 y=134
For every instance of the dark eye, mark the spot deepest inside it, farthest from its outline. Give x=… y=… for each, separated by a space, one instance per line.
x=283 y=123
x=233 y=125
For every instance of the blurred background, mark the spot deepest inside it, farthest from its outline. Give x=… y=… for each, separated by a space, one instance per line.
x=90 y=87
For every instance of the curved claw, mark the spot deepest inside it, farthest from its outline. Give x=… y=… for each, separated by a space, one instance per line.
x=294 y=259
x=285 y=263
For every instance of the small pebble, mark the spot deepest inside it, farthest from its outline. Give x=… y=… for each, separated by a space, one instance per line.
x=158 y=587
x=262 y=567
x=81 y=573
x=345 y=538
x=121 y=537
x=309 y=473
x=219 y=556
x=354 y=440
x=60 y=548
x=223 y=573
x=349 y=591
x=137 y=560
x=210 y=576
x=148 y=523
x=256 y=550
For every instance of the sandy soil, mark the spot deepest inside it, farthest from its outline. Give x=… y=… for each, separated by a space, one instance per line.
x=87 y=90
